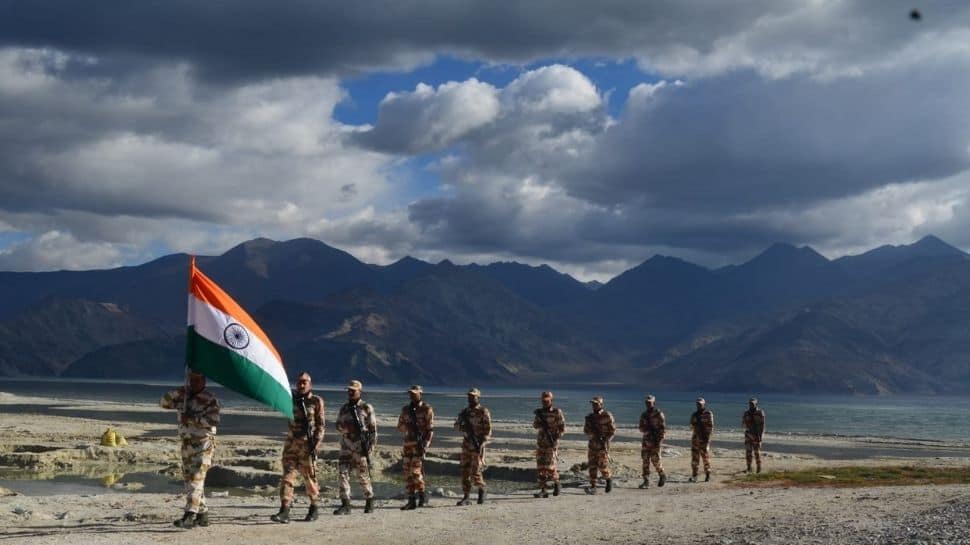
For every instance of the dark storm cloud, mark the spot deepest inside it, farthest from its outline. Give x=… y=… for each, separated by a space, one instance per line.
x=741 y=142
x=251 y=39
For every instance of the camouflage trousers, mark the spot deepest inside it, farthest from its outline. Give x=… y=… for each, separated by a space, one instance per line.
x=650 y=454
x=196 y=455
x=599 y=461
x=357 y=462
x=546 y=469
x=413 y=463
x=700 y=450
x=752 y=449
x=297 y=461
x=472 y=466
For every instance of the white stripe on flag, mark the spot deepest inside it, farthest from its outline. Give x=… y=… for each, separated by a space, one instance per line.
x=211 y=323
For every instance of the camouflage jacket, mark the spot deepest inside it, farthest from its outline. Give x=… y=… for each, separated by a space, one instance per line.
x=314 y=415
x=481 y=425
x=552 y=421
x=198 y=417
x=424 y=415
x=653 y=425
x=600 y=427
x=753 y=422
x=702 y=424
x=347 y=426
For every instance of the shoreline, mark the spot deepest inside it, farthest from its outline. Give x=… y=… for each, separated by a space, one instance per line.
x=247 y=469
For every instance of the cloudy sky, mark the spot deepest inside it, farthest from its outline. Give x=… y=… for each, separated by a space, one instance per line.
x=586 y=135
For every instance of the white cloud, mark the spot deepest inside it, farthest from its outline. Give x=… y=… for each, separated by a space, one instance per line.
x=428 y=119
x=55 y=250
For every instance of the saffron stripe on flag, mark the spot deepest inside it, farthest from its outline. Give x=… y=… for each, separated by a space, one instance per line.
x=204 y=289
x=210 y=322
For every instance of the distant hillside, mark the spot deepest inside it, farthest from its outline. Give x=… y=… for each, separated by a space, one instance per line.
x=46 y=338
x=893 y=319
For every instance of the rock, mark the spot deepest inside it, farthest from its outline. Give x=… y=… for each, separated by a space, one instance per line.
x=219 y=494
x=7 y=492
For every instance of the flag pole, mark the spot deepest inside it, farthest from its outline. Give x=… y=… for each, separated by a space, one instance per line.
x=185 y=391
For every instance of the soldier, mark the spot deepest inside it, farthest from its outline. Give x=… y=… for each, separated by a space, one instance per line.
x=754 y=431
x=551 y=424
x=417 y=424
x=600 y=427
x=653 y=426
x=198 y=417
x=357 y=423
x=702 y=427
x=303 y=439
x=475 y=423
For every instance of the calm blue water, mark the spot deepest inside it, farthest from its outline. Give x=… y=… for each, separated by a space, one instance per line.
x=908 y=417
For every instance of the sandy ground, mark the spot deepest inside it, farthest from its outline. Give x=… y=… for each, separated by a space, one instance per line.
x=38 y=442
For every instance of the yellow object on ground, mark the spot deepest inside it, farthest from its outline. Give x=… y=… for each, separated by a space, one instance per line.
x=111 y=438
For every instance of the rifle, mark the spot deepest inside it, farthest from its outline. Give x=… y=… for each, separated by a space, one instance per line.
x=548 y=434
x=470 y=432
x=306 y=432
x=365 y=441
x=417 y=430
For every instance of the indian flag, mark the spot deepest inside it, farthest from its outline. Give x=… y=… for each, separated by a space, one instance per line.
x=226 y=345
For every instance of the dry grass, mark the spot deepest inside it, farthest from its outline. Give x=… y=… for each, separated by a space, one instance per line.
x=855 y=476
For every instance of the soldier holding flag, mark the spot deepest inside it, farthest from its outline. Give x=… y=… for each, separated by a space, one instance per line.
x=226 y=345
x=198 y=412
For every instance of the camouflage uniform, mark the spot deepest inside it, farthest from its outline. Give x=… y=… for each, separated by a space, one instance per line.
x=296 y=450
x=753 y=422
x=600 y=427
x=352 y=454
x=702 y=427
x=412 y=455
x=198 y=418
x=653 y=426
x=551 y=424
x=473 y=461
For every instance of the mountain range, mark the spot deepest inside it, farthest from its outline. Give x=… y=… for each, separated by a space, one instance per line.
x=891 y=320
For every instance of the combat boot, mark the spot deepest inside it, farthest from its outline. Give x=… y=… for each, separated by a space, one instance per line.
x=344 y=508
x=411 y=504
x=693 y=478
x=481 y=496
x=283 y=517
x=748 y=469
x=541 y=493
x=609 y=486
x=313 y=513
x=759 y=468
x=464 y=500
x=591 y=490
x=187 y=522
x=645 y=483
x=369 y=505
x=202 y=519
x=662 y=481
x=707 y=476
x=423 y=500
x=555 y=488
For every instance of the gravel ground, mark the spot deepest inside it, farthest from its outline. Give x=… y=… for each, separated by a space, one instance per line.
x=948 y=524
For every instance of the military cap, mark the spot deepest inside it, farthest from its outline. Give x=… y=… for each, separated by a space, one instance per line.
x=546 y=395
x=700 y=400
x=475 y=392
x=597 y=399
x=650 y=398
x=355 y=385
x=416 y=389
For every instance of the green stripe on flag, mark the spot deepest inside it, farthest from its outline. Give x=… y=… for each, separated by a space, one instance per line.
x=237 y=373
